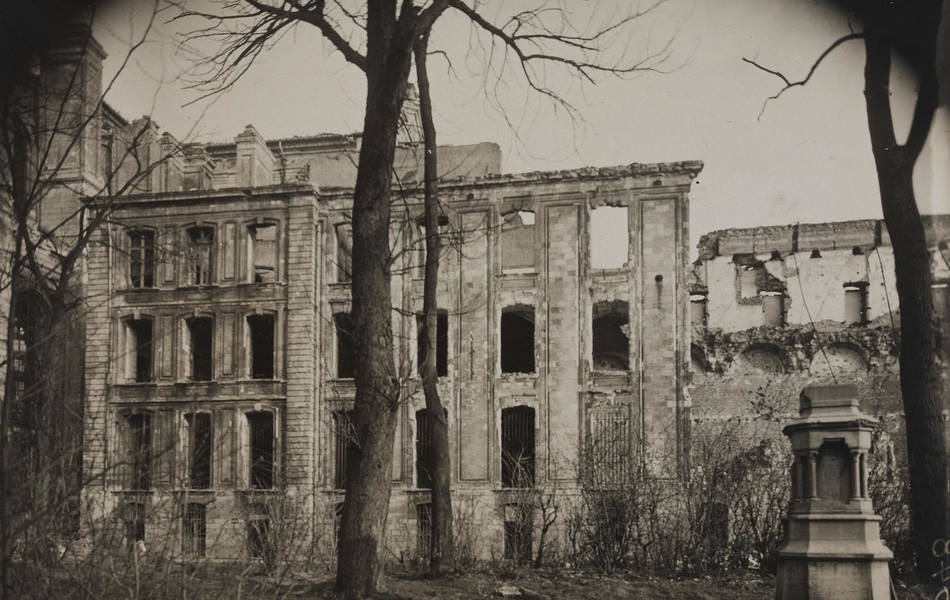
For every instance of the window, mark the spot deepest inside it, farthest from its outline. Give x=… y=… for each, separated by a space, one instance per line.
x=608 y=449
x=142 y=259
x=260 y=434
x=773 y=308
x=424 y=458
x=133 y=517
x=517 y=339
x=697 y=309
x=258 y=533
x=517 y=242
x=344 y=253
x=138 y=350
x=31 y=326
x=423 y=529
x=199 y=348
x=609 y=237
x=517 y=447
x=194 y=530
x=262 y=253
x=748 y=285
x=518 y=526
x=941 y=300
x=199 y=439
x=200 y=255
x=441 y=339
x=345 y=348
x=611 y=346
x=260 y=332
x=855 y=303
x=135 y=451
x=346 y=447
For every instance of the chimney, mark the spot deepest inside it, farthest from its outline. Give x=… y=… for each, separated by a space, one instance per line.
x=255 y=162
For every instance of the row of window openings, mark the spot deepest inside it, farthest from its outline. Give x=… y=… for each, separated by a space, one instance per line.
x=199 y=348
x=199 y=256
x=194 y=529
x=517 y=448
x=609 y=235
x=611 y=345
x=135 y=468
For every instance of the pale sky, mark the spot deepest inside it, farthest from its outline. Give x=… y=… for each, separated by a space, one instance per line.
x=807 y=159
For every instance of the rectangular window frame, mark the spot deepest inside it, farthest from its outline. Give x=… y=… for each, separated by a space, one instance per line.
x=142 y=261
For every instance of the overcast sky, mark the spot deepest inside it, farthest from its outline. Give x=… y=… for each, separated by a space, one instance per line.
x=807 y=159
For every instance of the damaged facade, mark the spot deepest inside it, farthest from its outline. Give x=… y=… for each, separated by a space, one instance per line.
x=219 y=369
x=776 y=308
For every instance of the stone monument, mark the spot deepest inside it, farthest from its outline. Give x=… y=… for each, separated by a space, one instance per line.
x=832 y=546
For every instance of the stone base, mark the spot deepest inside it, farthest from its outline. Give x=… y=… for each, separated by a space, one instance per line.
x=833 y=557
x=827 y=579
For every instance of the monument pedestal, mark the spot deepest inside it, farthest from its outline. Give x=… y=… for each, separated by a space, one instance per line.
x=832 y=547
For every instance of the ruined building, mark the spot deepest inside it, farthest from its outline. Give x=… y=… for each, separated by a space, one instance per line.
x=217 y=356
x=776 y=308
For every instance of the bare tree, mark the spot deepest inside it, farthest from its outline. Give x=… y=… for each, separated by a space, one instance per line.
x=53 y=199
x=910 y=29
x=380 y=38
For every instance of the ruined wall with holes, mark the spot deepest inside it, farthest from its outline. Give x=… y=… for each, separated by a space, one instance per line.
x=549 y=338
x=834 y=317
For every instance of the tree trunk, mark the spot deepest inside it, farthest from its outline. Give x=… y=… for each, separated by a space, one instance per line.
x=366 y=505
x=921 y=386
x=442 y=542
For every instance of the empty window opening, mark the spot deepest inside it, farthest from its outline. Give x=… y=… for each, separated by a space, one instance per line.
x=425 y=460
x=423 y=529
x=259 y=544
x=941 y=300
x=608 y=449
x=31 y=327
x=133 y=517
x=200 y=255
x=345 y=447
x=135 y=466
x=609 y=237
x=697 y=309
x=344 y=253
x=748 y=286
x=441 y=339
x=199 y=441
x=517 y=339
x=261 y=438
x=200 y=347
x=194 y=530
x=518 y=242
x=855 y=303
x=262 y=253
x=138 y=353
x=610 y=327
x=260 y=330
x=518 y=530
x=345 y=348
x=773 y=308
x=517 y=447
x=142 y=259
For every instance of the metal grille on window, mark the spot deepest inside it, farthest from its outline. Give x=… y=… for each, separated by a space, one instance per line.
x=261 y=440
x=517 y=447
x=423 y=529
x=258 y=532
x=133 y=517
x=194 y=530
x=424 y=458
x=198 y=449
x=345 y=447
x=142 y=259
x=608 y=446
